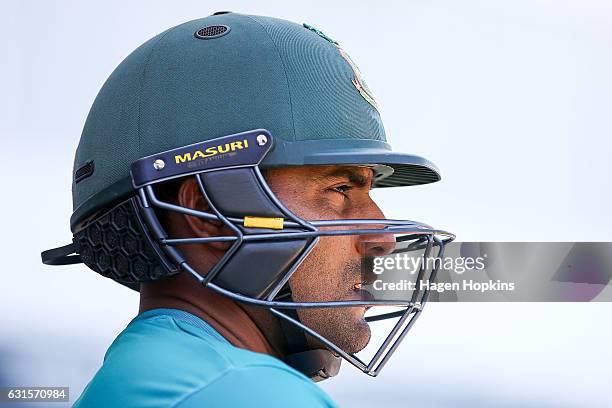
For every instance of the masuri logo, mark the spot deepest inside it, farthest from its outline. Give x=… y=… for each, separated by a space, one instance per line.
x=211 y=151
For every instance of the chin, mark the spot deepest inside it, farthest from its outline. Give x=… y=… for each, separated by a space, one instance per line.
x=354 y=337
x=362 y=336
x=347 y=330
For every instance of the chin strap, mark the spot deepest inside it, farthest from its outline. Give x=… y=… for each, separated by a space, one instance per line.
x=64 y=255
x=317 y=364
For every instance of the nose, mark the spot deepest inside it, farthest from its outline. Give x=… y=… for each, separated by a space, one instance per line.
x=375 y=244
x=380 y=246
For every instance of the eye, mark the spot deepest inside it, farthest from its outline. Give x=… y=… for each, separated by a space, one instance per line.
x=343 y=189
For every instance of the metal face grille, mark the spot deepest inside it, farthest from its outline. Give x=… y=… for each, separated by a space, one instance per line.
x=212 y=31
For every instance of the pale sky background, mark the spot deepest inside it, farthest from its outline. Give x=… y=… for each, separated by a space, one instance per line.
x=511 y=99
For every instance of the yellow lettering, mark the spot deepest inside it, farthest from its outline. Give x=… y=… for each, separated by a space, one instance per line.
x=210 y=151
x=182 y=159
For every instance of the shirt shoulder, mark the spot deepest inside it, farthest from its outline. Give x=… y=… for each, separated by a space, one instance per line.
x=162 y=358
x=257 y=385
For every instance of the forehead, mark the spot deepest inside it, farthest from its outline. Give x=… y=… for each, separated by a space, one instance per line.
x=323 y=173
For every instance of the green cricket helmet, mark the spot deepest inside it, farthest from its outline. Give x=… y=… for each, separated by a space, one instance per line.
x=219 y=99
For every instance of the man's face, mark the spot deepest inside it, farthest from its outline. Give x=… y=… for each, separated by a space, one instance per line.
x=332 y=271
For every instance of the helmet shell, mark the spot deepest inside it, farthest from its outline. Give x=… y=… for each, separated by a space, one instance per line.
x=185 y=86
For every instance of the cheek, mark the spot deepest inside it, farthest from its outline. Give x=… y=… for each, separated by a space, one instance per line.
x=322 y=275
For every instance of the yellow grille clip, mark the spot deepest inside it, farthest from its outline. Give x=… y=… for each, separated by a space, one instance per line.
x=263 y=222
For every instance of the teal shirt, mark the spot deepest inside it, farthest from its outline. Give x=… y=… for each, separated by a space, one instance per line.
x=171 y=358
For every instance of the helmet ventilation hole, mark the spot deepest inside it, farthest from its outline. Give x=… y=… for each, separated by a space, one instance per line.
x=212 y=31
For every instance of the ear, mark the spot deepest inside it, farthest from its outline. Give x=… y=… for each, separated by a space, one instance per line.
x=189 y=196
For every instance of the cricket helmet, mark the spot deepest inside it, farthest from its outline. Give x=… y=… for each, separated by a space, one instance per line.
x=219 y=99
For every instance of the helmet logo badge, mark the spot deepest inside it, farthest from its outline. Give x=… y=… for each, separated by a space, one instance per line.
x=357 y=80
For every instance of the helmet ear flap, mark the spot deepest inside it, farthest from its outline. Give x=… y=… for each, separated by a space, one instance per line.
x=238 y=192
x=118 y=245
x=255 y=268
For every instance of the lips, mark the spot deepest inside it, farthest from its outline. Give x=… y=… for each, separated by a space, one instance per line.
x=361 y=294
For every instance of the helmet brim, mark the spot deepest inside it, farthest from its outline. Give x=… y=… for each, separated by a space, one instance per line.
x=408 y=170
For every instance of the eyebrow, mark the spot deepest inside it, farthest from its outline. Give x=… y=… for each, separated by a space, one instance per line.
x=350 y=174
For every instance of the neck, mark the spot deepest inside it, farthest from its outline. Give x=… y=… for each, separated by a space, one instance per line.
x=243 y=326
